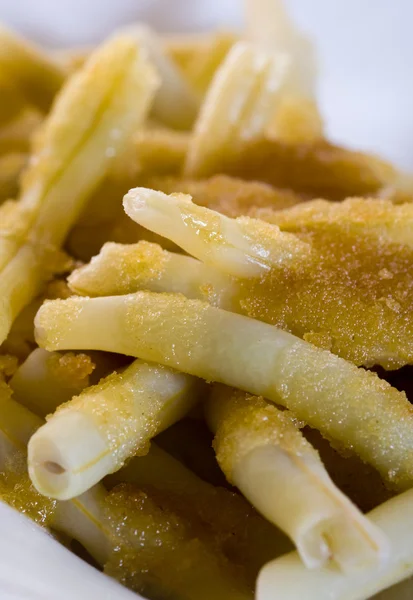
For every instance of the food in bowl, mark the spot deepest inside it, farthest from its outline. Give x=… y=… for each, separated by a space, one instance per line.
x=197 y=380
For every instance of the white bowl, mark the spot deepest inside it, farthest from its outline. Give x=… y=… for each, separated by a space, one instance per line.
x=34 y=566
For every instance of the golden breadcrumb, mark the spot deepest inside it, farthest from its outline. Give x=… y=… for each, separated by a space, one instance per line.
x=320 y=169
x=355 y=297
x=231 y=196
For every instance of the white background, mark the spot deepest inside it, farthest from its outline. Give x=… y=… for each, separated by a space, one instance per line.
x=365 y=49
